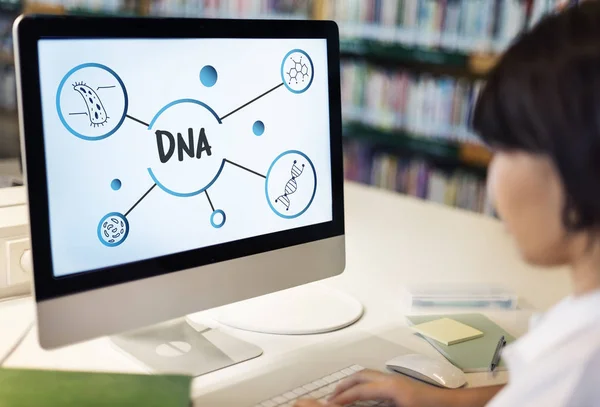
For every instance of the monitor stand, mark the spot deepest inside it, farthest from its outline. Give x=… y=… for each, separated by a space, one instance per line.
x=183 y=347
x=186 y=347
x=304 y=310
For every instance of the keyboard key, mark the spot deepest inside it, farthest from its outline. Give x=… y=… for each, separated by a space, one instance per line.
x=290 y=396
x=279 y=400
x=357 y=368
x=315 y=394
x=320 y=383
x=268 y=403
x=339 y=375
x=330 y=379
x=348 y=372
x=330 y=388
x=310 y=387
x=319 y=393
x=300 y=391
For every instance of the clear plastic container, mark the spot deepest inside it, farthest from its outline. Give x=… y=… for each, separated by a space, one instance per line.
x=455 y=295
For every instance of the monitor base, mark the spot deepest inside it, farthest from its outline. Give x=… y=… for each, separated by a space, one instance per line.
x=304 y=310
x=183 y=347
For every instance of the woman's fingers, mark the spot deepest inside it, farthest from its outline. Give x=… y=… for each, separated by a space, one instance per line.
x=374 y=390
x=364 y=376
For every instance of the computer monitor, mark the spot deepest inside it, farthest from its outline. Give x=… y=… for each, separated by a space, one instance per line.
x=175 y=165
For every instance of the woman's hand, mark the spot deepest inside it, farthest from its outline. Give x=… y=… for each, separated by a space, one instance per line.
x=372 y=385
x=402 y=391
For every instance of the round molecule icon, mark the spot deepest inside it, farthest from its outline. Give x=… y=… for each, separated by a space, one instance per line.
x=297 y=71
x=113 y=229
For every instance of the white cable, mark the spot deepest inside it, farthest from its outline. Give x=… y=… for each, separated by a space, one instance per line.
x=16 y=345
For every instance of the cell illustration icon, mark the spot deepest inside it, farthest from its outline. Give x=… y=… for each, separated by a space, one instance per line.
x=91 y=101
x=113 y=229
x=95 y=109
x=291 y=184
x=297 y=71
x=187 y=147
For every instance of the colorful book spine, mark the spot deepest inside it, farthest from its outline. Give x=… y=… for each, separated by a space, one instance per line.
x=424 y=105
x=226 y=8
x=415 y=177
x=466 y=25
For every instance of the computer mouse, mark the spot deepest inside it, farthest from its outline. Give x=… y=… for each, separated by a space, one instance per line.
x=433 y=371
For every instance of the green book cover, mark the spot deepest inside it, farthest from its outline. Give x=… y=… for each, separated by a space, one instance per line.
x=46 y=388
x=474 y=355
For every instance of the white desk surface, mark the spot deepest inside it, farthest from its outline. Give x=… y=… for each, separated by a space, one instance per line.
x=392 y=240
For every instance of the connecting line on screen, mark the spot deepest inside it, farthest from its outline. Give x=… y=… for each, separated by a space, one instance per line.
x=140 y=200
x=244 y=168
x=137 y=120
x=253 y=100
x=209 y=201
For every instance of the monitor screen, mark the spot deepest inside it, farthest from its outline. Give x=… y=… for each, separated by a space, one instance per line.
x=161 y=146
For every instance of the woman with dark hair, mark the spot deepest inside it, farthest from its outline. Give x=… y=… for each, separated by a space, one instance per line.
x=540 y=113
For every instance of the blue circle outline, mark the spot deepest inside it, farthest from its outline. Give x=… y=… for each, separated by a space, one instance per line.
x=212 y=219
x=267 y=184
x=179 y=101
x=155 y=179
x=312 y=70
x=119 y=215
x=62 y=84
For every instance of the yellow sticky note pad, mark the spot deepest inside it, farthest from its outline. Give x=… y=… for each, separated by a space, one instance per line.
x=448 y=331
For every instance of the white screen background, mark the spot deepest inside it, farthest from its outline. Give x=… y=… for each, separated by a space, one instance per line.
x=155 y=73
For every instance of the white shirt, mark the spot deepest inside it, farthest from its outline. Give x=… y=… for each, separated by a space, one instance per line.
x=558 y=362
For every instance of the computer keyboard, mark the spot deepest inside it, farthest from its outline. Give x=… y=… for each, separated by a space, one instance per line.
x=320 y=389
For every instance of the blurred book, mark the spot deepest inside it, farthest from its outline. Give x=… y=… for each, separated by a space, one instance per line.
x=415 y=177
x=46 y=388
x=463 y=25
x=397 y=99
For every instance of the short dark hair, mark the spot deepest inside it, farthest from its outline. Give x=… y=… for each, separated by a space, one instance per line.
x=544 y=97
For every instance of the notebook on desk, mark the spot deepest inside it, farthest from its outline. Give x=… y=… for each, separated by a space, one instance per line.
x=474 y=355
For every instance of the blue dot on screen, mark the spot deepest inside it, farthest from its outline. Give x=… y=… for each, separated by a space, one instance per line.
x=208 y=76
x=115 y=184
x=258 y=128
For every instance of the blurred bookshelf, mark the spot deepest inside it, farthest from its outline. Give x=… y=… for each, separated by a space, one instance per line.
x=411 y=72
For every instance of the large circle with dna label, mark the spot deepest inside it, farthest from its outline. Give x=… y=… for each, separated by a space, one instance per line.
x=113 y=229
x=291 y=184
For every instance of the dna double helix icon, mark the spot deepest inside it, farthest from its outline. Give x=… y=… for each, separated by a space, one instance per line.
x=291 y=186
